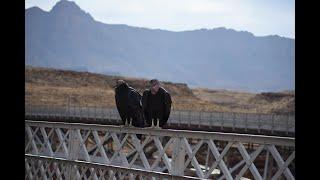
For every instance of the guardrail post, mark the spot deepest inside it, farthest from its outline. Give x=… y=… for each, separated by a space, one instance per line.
x=88 y=112
x=246 y=122
x=272 y=128
x=221 y=124
x=46 y=111
x=53 y=111
x=39 y=110
x=210 y=119
x=100 y=113
x=85 y=112
x=199 y=119
x=77 y=111
x=49 y=110
x=44 y=114
x=259 y=122
x=74 y=112
x=189 y=112
x=179 y=122
x=234 y=121
x=287 y=129
x=178 y=157
x=80 y=113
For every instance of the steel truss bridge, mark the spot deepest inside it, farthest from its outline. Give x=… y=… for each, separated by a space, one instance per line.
x=69 y=150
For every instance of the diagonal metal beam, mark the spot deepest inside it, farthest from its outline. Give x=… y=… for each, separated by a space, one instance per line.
x=218 y=160
x=118 y=150
x=62 y=139
x=222 y=164
x=249 y=161
x=162 y=153
x=194 y=160
x=100 y=146
x=46 y=140
x=194 y=151
x=277 y=157
x=139 y=148
x=118 y=146
x=284 y=166
x=31 y=139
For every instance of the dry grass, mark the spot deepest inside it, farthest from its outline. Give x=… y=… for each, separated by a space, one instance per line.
x=54 y=87
x=249 y=102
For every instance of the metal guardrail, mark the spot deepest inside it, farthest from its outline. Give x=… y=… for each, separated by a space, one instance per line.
x=177 y=152
x=245 y=121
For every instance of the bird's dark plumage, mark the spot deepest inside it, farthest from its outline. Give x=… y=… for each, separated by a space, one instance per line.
x=128 y=102
x=156 y=106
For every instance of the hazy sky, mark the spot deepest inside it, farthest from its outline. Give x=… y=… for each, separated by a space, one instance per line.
x=261 y=17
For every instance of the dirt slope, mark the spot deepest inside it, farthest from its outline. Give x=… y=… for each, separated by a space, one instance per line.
x=57 y=87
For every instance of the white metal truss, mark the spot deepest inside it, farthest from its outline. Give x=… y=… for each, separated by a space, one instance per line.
x=87 y=171
x=176 y=152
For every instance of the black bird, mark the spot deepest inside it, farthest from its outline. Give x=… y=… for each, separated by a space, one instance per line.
x=156 y=103
x=128 y=102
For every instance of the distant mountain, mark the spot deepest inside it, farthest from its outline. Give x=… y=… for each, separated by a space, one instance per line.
x=67 y=37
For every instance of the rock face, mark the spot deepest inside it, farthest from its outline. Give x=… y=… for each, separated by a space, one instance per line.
x=69 y=38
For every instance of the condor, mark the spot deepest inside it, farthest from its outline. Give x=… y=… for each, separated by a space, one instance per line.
x=128 y=102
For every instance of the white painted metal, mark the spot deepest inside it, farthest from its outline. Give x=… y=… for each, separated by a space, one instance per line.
x=219 y=159
x=259 y=139
x=222 y=164
x=101 y=170
x=162 y=154
x=282 y=166
x=249 y=162
x=266 y=166
x=92 y=143
x=178 y=157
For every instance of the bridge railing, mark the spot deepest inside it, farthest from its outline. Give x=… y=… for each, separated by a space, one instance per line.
x=42 y=167
x=245 y=121
x=176 y=152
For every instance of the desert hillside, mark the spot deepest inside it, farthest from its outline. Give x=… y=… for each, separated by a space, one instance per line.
x=58 y=87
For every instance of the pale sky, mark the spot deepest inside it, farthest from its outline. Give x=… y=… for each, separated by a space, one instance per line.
x=260 y=17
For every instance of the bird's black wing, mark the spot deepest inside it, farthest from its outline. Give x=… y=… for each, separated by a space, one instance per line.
x=167 y=106
x=144 y=102
x=121 y=106
x=134 y=103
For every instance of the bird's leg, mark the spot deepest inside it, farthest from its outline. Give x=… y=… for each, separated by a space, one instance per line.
x=126 y=123
x=152 y=123
x=157 y=124
x=130 y=123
